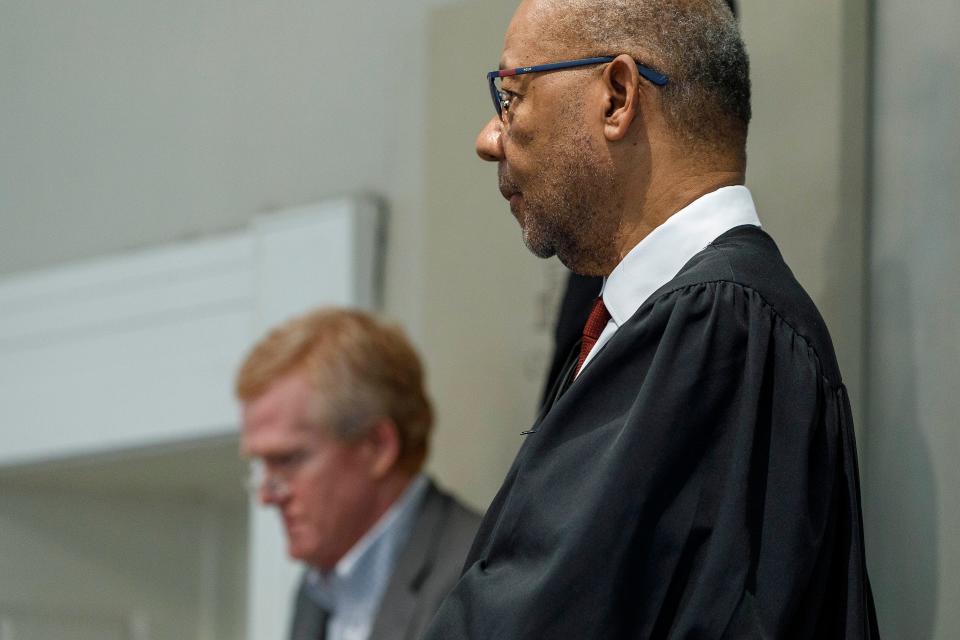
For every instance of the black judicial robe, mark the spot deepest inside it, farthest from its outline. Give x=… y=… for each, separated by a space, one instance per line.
x=698 y=480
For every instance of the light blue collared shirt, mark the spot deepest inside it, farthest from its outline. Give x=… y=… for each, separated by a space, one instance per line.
x=353 y=590
x=656 y=259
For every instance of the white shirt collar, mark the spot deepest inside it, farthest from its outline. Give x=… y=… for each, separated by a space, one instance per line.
x=656 y=259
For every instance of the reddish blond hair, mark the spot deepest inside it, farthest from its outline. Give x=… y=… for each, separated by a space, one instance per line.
x=361 y=369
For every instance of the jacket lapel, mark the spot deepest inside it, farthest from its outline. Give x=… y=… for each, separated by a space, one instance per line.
x=400 y=600
x=309 y=620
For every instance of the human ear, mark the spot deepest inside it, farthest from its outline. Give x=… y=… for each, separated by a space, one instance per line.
x=383 y=443
x=622 y=88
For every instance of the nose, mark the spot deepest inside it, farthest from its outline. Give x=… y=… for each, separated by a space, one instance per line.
x=490 y=142
x=265 y=496
x=273 y=492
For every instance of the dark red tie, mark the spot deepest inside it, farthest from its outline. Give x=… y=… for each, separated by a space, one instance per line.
x=596 y=321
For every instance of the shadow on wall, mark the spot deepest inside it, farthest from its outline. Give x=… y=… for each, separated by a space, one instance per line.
x=841 y=301
x=901 y=505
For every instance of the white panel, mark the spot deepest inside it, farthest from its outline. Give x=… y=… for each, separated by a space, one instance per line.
x=138 y=386
x=123 y=351
x=307 y=257
x=92 y=277
x=142 y=348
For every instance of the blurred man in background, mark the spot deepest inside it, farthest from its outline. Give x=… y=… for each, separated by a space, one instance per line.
x=337 y=421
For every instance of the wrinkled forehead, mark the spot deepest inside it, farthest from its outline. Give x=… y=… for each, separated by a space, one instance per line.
x=529 y=39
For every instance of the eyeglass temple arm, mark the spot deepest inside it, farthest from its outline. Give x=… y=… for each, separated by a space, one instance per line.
x=655 y=77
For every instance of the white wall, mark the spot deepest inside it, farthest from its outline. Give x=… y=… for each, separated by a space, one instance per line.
x=913 y=438
x=124 y=124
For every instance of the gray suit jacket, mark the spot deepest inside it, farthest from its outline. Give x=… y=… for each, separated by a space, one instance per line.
x=427 y=568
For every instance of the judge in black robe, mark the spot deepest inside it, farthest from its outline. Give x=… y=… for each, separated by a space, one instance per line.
x=698 y=480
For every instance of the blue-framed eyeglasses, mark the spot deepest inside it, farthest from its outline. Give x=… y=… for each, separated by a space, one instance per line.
x=501 y=101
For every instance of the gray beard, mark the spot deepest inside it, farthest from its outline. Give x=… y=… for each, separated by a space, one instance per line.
x=576 y=219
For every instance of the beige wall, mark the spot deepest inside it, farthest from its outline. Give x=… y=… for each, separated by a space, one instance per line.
x=912 y=492
x=484 y=294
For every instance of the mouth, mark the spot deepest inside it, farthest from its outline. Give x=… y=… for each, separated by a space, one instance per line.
x=512 y=195
x=507 y=189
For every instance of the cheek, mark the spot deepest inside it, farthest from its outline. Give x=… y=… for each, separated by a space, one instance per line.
x=333 y=492
x=518 y=136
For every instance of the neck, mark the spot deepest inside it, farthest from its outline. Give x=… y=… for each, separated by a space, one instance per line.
x=392 y=488
x=389 y=491
x=657 y=205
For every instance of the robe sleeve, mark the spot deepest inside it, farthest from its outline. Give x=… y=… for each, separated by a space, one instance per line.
x=749 y=523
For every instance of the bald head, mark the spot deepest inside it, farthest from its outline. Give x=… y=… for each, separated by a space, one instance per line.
x=696 y=43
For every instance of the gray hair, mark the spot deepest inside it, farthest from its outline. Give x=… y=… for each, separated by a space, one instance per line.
x=696 y=43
